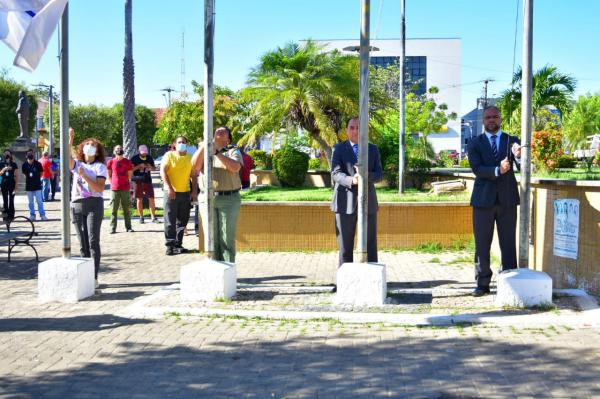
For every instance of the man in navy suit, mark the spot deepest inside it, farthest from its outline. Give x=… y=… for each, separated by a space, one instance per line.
x=345 y=193
x=495 y=196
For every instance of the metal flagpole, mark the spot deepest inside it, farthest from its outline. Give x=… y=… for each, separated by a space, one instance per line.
x=209 y=32
x=363 y=144
x=50 y=127
x=401 y=157
x=65 y=173
x=526 y=116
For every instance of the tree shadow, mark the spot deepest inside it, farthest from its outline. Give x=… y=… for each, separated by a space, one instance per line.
x=311 y=367
x=391 y=285
x=258 y=280
x=75 y=323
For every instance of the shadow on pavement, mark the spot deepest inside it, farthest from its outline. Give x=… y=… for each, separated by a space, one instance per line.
x=75 y=323
x=426 y=367
x=391 y=285
x=258 y=280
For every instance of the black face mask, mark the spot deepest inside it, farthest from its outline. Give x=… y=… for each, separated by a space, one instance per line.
x=6 y=156
x=29 y=156
x=119 y=152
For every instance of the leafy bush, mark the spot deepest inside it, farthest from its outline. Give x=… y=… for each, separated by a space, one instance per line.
x=317 y=164
x=418 y=168
x=566 y=161
x=290 y=166
x=444 y=160
x=597 y=159
x=262 y=160
x=546 y=148
x=464 y=163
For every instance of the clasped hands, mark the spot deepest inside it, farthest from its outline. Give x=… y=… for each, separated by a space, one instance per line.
x=505 y=164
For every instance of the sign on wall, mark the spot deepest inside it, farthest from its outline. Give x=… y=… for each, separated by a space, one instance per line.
x=566 y=228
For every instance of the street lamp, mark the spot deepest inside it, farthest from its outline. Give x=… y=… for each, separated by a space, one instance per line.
x=50 y=128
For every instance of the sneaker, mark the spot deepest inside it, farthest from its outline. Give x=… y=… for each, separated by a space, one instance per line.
x=170 y=251
x=44 y=218
x=130 y=230
x=155 y=220
x=32 y=218
x=96 y=283
x=142 y=220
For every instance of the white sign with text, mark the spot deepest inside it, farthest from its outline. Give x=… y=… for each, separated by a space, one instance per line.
x=566 y=228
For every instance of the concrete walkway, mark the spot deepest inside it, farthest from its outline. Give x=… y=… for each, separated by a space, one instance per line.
x=95 y=348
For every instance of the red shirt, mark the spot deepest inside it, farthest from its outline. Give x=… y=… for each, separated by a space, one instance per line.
x=120 y=173
x=46 y=168
x=248 y=165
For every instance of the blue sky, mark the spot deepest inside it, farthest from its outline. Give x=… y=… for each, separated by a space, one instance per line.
x=565 y=35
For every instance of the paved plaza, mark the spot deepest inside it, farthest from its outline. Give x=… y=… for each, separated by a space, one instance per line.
x=101 y=347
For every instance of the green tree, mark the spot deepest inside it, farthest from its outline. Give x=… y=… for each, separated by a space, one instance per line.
x=303 y=87
x=550 y=88
x=9 y=96
x=582 y=121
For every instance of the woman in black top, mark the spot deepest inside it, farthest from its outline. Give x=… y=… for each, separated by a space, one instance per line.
x=10 y=179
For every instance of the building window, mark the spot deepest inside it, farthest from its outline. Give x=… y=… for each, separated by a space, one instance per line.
x=415 y=68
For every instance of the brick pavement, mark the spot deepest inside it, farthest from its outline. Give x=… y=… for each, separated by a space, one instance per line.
x=86 y=350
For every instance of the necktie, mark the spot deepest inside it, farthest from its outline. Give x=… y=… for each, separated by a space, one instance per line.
x=494 y=147
x=355 y=149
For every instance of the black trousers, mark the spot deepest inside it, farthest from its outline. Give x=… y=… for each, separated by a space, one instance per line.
x=345 y=230
x=87 y=215
x=176 y=217
x=484 y=219
x=8 y=198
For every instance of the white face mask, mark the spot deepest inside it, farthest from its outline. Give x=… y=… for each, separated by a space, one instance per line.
x=181 y=147
x=89 y=150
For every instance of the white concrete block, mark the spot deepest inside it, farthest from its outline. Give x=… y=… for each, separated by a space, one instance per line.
x=65 y=279
x=207 y=280
x=361 y=284
x=523 y=288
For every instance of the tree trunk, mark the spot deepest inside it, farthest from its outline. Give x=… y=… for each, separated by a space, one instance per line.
x=324 y=146
x=129 y=133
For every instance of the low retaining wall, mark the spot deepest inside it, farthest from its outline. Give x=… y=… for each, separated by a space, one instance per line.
x=310 y=226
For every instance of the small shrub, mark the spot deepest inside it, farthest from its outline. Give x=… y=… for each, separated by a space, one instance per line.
x=546 y=148
x=464 y=163
x=566 y=161
x=290 y=166
x=419 y=169
x=262 y=160
x=444 y=160
x=317 y=164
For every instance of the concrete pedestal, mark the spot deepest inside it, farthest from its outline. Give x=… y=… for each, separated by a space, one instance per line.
x=65 y=279
x=207 y=280
x=361 y=284
x=523 y=288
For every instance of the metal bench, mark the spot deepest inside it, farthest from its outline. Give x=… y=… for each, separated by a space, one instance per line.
x=18 y=235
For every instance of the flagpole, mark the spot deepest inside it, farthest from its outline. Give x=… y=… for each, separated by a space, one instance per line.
x=209 y=32
x=65 y=173
x=363 y=141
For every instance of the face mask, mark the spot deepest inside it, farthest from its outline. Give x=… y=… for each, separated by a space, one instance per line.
x=181 y=147
x=30 y=156
x=6 y=156
x=89 y=150
x=119 y=152
x=143 y=156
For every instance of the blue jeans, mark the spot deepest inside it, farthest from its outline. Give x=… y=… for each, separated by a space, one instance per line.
x=37 y=195
x=46 y=183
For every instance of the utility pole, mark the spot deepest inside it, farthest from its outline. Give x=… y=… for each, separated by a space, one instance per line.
x=485 y=91
x=65 y=170
x=209 y=33
x=401 y=157
x=363 y=144
x=169 y=90
x=526 y=115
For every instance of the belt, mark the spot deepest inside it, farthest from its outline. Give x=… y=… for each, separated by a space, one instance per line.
x=230 y=192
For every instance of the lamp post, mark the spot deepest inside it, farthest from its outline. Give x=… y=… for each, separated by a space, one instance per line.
x=50 y=127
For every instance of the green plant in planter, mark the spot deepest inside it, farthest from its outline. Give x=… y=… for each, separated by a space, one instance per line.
x=290 y=166
x=419 y=169
x=262 y=160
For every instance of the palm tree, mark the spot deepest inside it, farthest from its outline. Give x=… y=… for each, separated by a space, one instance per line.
x=129 y=133
x=303 y=87
x=550 y=88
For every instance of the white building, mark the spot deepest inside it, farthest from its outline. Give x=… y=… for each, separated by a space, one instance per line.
x=429 y=62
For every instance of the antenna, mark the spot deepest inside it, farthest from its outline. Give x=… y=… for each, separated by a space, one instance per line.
x=183 y=93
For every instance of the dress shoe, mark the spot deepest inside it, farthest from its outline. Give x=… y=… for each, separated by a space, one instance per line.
x=481 y=291
x=181 y=250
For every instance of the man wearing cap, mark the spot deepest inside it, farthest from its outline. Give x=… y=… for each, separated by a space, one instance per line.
x=143 y=165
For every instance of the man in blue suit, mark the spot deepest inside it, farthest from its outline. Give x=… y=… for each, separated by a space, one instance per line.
x=495 y=196
x=345 y=193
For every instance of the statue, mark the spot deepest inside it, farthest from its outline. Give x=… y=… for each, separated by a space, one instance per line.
x=23 y=114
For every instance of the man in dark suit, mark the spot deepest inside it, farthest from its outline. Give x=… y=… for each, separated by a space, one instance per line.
x=345 y=193
x=495 y=196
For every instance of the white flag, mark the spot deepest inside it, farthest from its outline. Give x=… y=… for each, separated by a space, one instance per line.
x=26 y=26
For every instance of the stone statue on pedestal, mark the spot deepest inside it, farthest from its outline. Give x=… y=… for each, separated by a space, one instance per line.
x=23 y=114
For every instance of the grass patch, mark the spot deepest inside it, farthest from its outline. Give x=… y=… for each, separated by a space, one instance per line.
x=435 y=260
x=430 y=248
x=224 y=300
x=572 y=174
x=461 y=260
x=134 y=213
x=271 y=193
